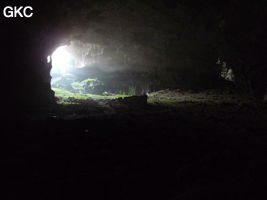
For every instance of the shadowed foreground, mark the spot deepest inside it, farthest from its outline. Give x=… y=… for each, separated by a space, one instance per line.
x=190 y=151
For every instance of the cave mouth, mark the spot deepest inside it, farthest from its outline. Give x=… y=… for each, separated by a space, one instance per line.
x=62 y=61
x=76 y=72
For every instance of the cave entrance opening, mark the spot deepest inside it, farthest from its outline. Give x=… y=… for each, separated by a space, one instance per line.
x=76 y=72
x=69 y=74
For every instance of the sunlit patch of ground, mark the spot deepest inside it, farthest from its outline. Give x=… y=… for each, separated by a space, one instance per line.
x=67 y=97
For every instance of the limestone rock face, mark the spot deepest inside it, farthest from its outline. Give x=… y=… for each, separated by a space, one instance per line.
x=25 y=74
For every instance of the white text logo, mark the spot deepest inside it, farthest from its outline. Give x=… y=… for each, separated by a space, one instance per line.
x=13 y=12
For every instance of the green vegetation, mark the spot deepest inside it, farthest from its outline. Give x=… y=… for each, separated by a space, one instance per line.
x=86 y=86
x=66 y=96
x=132 y=91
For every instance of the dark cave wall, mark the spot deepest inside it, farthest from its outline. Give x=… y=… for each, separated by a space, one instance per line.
x=180 y=41
x=245 y=35
x=25 y=45
x=25 y=72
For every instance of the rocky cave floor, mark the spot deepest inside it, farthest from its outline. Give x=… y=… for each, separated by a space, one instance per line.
x=168 y=149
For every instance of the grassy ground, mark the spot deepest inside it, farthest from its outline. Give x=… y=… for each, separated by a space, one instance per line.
x=66 y=96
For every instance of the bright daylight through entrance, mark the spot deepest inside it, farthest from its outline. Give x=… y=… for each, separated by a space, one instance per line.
x=76 y=73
